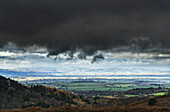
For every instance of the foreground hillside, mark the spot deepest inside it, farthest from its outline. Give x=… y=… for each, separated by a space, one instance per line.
x=162 y=105
x=99 y=109
x=15 y=95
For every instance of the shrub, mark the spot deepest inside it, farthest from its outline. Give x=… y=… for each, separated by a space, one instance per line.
x=152 y=102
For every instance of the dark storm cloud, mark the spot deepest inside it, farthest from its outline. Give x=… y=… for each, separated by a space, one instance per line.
x=97 y=58
x=64 y=25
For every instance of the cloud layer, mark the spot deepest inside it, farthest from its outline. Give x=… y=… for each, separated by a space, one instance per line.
x=90 y=25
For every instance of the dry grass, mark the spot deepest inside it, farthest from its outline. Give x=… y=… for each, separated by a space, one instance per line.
x=99 y=109
x=162 y=105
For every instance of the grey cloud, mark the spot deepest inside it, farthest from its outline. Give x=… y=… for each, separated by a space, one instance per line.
x=91 y=25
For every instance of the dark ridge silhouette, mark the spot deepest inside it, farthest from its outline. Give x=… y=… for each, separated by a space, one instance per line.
x=15 y=95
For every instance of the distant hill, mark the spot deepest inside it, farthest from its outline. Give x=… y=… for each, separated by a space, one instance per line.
x=15 y=95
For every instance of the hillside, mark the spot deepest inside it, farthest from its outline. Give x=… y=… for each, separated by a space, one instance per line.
x=15 y=95
x=159 y=101
x=162 y=105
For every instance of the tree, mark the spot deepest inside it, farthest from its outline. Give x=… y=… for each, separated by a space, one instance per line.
x=9 y=82
x=11 y=90
x=152 y=102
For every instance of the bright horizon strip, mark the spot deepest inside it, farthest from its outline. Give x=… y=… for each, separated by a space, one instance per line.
x=39 y=78
x=22 y=66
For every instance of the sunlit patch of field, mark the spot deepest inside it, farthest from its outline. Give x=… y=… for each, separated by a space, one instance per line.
x=94 y=86
x=159 y=93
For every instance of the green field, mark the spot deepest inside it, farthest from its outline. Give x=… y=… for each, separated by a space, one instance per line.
x=159 y=94
x=113 y=88
x=131 y=95
x=95 y=86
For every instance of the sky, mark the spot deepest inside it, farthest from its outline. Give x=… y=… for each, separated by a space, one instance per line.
x=85 y=38
x=119 y=65
x=90 y=25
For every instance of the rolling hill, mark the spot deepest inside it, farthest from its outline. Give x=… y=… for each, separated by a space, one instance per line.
x=15 y=95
